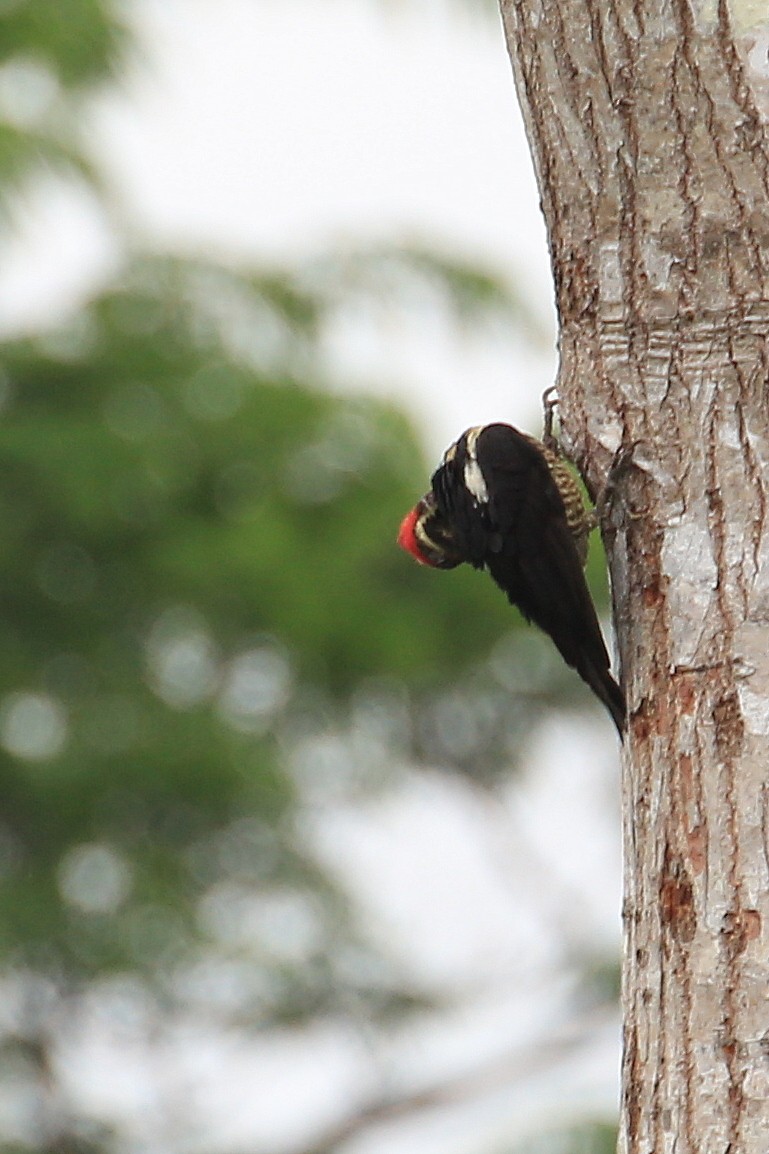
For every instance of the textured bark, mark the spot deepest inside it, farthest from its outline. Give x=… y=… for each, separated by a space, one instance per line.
x=648 y=127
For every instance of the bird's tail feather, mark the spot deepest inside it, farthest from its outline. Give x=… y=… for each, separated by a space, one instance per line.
x=608 y=691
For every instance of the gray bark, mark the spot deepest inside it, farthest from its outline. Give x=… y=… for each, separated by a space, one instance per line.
x=648 y=128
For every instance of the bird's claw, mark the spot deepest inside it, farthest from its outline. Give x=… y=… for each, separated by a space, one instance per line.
x=549 y=405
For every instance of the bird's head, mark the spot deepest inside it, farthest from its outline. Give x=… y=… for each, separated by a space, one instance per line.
x=426 y=535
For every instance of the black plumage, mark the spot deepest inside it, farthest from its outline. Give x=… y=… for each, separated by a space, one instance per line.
x=501 y=506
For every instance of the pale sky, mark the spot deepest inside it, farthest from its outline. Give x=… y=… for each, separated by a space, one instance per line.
x=270 y=129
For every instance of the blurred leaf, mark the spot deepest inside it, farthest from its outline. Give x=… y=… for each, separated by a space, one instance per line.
x=600 y=980
x=590 y=1138
x=80 y=40
x=174 y=529
x=22 y=152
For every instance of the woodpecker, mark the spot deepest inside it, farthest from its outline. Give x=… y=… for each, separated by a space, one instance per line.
x=500 y=500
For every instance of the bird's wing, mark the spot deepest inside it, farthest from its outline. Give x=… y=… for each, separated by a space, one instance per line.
x=496 y=490
x=537 y=562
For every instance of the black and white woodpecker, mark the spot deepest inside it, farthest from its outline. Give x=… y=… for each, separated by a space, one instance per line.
x=503 y=501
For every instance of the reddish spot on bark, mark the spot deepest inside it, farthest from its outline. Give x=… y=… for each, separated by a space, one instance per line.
x=652 y=593
x=639 y=723
x=685 y=774
x=698 y=848
x=677 y=900
x=752 y=924
x=686 y=696
x=730 y=730
x=738 y=928
x=662 y=727
x=649 y=717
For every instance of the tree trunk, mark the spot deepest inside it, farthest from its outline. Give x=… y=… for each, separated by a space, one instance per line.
x=647 y=124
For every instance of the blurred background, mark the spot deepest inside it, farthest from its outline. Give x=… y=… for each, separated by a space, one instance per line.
x=302 y=848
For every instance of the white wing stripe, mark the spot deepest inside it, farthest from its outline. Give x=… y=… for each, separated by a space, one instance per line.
x=475 y=482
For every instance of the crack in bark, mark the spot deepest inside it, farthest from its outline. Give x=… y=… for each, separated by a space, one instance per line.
x=597 y=38
x=569 y=74
x=690 y=229
x=753 y=475
x=756 y=139
x=706 y=107
x=765 y=824
x=729 y=737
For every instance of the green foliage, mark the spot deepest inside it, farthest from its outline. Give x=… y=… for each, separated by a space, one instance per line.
x=171 y=518
x=23 y=151
x=79 y=40
x=601 y=980
x=50 y=52
x=590 y=1138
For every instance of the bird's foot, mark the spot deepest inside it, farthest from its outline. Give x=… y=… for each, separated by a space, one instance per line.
x=549 y=405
